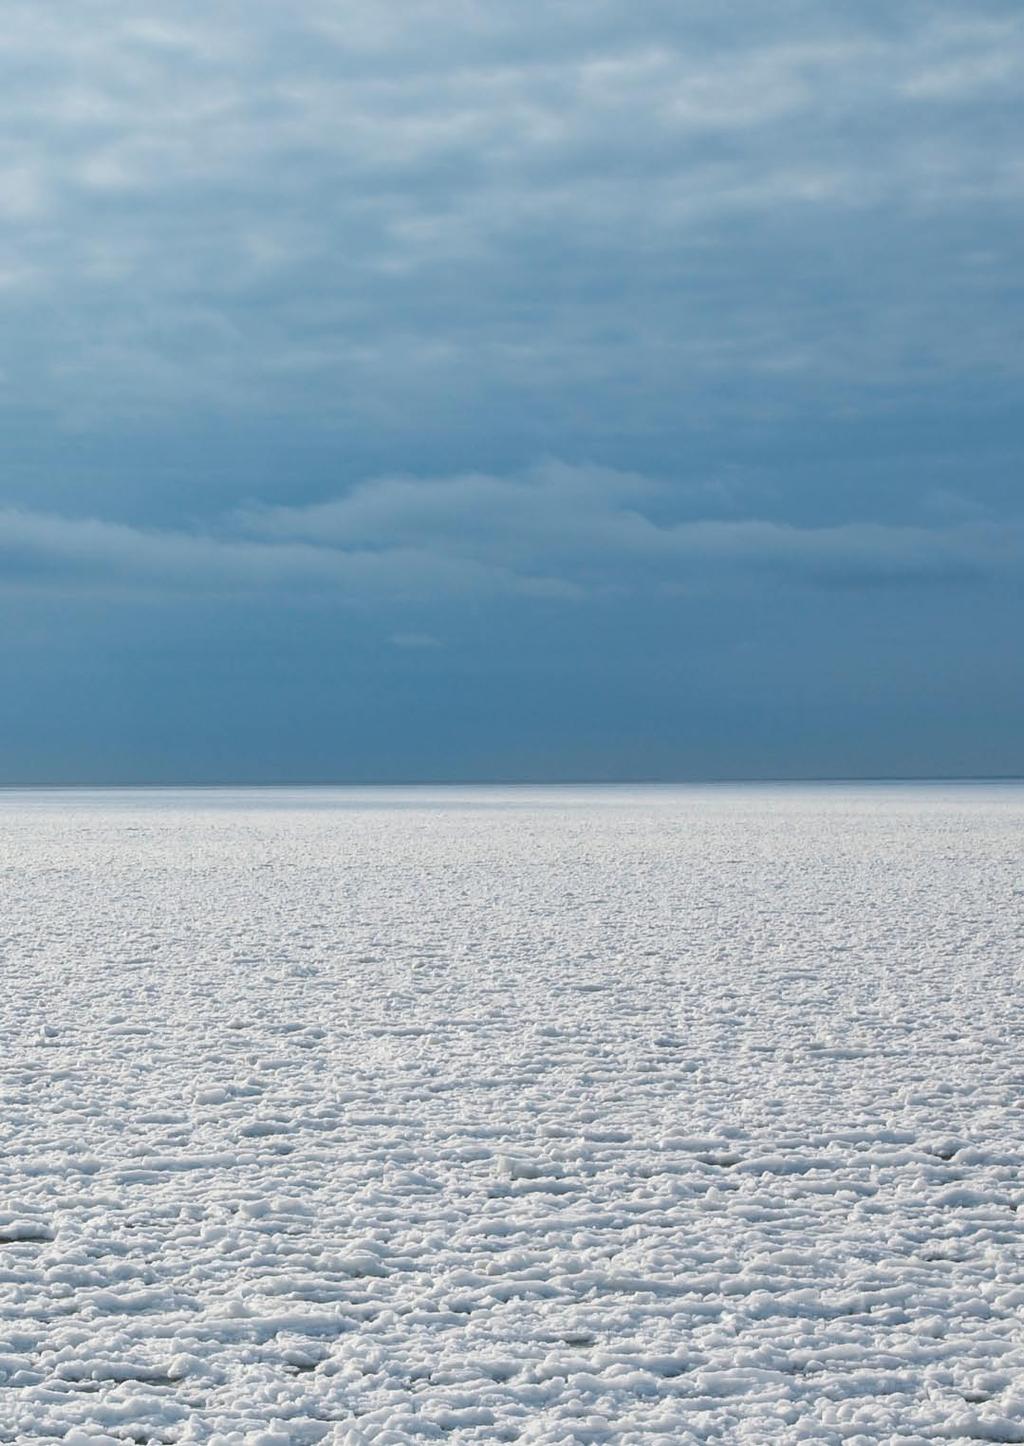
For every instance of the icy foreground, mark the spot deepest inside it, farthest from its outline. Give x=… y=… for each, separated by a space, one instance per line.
x=539 y=1116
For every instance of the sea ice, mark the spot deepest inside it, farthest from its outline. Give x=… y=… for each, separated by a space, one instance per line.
x=663 y=1115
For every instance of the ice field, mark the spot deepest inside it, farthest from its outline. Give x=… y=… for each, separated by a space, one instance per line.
x=633 y=1115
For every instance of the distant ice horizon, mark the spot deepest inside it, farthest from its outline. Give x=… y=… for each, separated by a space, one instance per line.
x=495 y=795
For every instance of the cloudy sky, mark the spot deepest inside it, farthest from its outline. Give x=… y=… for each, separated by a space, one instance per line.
x=461 y=389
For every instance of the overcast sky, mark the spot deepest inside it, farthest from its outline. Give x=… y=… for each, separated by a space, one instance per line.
x=462 y=389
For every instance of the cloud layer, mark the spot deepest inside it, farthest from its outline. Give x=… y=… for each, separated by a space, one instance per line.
x=297 y=299
x=406 y=213
x=558 y=531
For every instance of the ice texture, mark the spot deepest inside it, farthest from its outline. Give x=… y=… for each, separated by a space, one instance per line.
x=658 y=1115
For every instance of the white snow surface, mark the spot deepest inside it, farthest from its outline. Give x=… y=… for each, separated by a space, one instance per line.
x=656 y=1115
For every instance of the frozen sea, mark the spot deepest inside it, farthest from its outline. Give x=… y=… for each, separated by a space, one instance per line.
x=639 y=1115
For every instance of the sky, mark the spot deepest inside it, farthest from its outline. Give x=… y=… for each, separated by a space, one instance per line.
x=450 y=389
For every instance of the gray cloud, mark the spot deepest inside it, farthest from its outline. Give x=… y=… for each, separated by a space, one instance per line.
x=556 y=531
x=596 y=528
x=417 y=642
x=46 y=551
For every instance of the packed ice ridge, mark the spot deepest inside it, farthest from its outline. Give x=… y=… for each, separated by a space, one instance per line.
x=549 y=1116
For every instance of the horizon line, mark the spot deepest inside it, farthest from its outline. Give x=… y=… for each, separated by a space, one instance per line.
x=712 y=779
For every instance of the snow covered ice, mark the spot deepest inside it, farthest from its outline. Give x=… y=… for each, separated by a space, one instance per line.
x=655 y=1115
